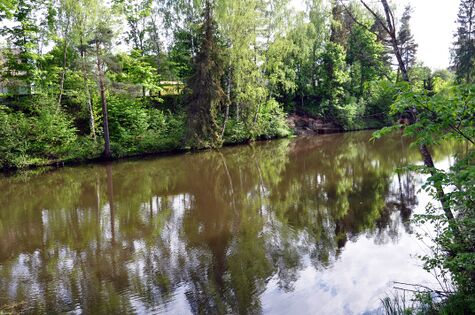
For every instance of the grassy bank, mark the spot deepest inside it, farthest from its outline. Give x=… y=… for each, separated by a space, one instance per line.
x=35 y=132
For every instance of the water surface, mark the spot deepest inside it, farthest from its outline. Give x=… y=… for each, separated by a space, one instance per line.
x=316 y=225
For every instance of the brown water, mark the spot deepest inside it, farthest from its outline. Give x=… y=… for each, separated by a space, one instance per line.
x=305 y=226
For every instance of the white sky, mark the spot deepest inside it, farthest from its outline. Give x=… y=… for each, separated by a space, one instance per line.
x=433 y=26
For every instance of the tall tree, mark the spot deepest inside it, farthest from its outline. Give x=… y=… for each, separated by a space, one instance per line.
x=23 y=37
x=388 y=24
x=240 y=23
x=136 y=14
x=82 y=32
x=407 y=44
x=205 y=85
x=333 y=60
x=66 y=11
x=366 y=57
x=101 y=43
x=463 y=51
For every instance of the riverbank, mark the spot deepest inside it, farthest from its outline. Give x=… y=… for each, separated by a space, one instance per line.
x=41 y=135
x=98 y=158
x=91 y=152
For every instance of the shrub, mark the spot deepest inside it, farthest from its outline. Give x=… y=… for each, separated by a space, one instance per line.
x=46 y=134
x=269 y=122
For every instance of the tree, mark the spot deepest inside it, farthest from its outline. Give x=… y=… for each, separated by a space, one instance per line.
x=66 y=10
x=101 y=42
x=333 y=74
x=290 y=60
x=205 y=85
x=366 y=57
x=407 y=44
x=82 y=34
x=333 y=77
x=240 y=24
x=463 y=51
x=389 y=26
x=23 y=39
x=136 y=13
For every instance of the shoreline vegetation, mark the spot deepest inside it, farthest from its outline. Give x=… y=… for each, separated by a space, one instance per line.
x=295 y=129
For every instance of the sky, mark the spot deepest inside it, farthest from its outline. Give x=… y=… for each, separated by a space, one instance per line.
x=433 y=25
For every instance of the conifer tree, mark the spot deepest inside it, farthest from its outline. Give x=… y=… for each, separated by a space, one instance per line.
x=463 y=51
x=205 y=84
x=407 y=44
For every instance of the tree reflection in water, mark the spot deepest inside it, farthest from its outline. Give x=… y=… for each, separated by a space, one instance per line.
x=212 y=227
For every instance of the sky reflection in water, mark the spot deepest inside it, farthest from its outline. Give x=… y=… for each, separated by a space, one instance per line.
x=305 y=226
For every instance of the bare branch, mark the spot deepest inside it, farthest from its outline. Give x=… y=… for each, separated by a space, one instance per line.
x=376 y=16
x=350 y=14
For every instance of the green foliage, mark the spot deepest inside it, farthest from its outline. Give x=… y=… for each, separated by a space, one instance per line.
x=366 y=59
x=138 y=128
x=379 y=96
x=6 y=8
x=128 y=119
x=463 y=52
x=270 y=122
x=238 y=66
x=449 y=114
x=45 y=134
x=206 y=92
x=350 y=113
x=180 y=56
x=332 y=78
x=136 y=71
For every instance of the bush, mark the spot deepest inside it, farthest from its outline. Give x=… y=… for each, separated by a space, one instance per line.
x=166 y=132
x=350 y=115
x=269 y=122
x=381 y=94
x=46 y=134
x=128 y=122
x=137 y=128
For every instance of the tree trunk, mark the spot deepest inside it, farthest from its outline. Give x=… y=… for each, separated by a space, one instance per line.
x=394 y=41
x=92 y=124
x=390 y=28
x=228 y=102
x=63 y=72
x=107 y=150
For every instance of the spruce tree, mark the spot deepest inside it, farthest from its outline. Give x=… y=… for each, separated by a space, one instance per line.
x=205 y=84
x=463 y=51
x=407 y=44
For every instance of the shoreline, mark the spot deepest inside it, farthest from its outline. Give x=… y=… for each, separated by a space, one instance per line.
x=54 y=165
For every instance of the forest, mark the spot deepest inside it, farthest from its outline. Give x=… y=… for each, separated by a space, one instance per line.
x=84 y=80
x=90 y=79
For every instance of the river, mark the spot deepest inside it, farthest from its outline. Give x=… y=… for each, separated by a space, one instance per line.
x=317 y=225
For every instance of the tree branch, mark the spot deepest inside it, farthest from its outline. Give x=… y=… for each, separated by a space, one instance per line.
x=376 y=16
x=362 y=24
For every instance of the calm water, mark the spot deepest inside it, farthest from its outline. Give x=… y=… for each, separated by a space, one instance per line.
x=305 y=226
